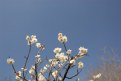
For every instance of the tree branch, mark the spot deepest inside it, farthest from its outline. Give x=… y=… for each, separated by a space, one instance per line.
x=74 y=75
x=26 y=62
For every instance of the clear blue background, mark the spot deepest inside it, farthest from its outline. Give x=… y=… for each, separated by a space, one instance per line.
x=94 y=24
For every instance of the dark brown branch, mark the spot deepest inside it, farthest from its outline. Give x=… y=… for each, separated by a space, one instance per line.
x=65 y=46
x=26 y=62
x=13 y=68
x=74 y=75
x=66 y=72
x=16 y=72
x=27 y=57
x=64 y=67
x=36 y=73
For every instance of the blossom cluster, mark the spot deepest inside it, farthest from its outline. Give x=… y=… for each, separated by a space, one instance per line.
x=33 y=40
x=52 y=70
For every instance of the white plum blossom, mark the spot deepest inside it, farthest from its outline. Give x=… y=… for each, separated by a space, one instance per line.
x=18 y=78
x=38 y=59
x=32 y=70
x=55 y=73
x=69 y=52
x=60 y=65
x=53 y=62
x=10 y=61
x=83 y=50
x=61 y=57
x=23 y=69
x=60 y=78
x=80 y=65
x=18 y=75
x=72 y=61
x=37 y=56
x=60 y=34
x=41 y=46
x=61 y=38
x=57 y=50
x=28 y=39
x=31 y=40
x=38 y=45
x=78 y=56
x=65 y=39
x=43 y=70
x=41 y=77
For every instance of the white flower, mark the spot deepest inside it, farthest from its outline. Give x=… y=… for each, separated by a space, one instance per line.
x=41 y=46
x=57 y=50
x=78 y=56
x=18 y=78
x=60 y=34
x=61 y=38
x=72 y=61
x=53 y=62
x=31 y=40
x=61 y=57
x=43 y=70
x=32 y=70
x=60 y=78
x=33 y=67
x=97 y=76
x=10 y=61
x=41 y=77
x=39 y=60
x=60 y=65
x=55 y=73
x=83 y=50
x=28 y=39
x=65 y=39
x=18 y=75
x=23 y=69
x=69 y=52
x=38 y=45
x=80 y=65
x=37 y=56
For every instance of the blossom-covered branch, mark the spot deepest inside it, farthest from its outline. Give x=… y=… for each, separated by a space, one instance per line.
x=56 y=68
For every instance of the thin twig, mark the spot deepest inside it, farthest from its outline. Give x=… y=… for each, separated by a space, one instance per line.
x=26 y=62
x=74 y=75
x=65 y=46
x=16 y=72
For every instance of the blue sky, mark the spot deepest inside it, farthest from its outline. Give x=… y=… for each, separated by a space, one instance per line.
x=94 y=24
